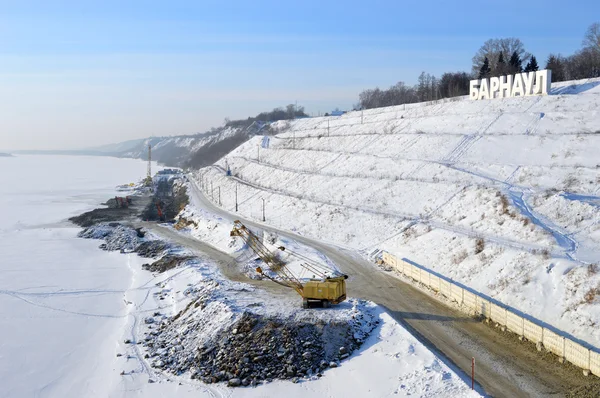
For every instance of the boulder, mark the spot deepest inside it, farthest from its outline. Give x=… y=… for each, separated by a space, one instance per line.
x=235 y=382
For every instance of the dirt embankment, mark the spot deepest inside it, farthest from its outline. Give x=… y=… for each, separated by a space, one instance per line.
x=113 y=211
x=170 y=197
x=111 y=223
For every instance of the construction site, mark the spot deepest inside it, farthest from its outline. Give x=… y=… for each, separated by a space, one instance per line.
x=276 y=304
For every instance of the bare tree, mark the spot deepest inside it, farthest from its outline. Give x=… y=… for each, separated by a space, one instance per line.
x=584 y=64
x=591 y=39
x=556 y=63
x=454 y=84
x=398 y=94
x=290 y=110
x=492 y=48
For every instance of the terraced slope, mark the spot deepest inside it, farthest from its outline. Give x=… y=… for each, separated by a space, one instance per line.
x=502 y=195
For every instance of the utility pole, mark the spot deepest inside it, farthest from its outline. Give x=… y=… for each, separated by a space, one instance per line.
x=219 y=195
x=236 y=200
x=258 y=153
x=361 y=116
x=294 y=140
x=327 y=127
x=472 y=373
x=149 y=171
x=263 y=209
x=212 y=192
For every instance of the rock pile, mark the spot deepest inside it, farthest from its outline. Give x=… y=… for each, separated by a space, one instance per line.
x=152 y=248
x=167 y=262
x=126 y=239
x=116 y=236
x=256 y=348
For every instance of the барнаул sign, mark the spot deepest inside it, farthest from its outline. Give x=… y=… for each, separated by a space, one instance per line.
x=519 y=85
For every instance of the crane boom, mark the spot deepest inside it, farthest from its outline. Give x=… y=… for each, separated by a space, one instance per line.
x=329 y=289
x=272 y=262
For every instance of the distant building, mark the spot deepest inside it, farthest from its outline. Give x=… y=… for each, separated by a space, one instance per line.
x=168 y=171
x=337 y=113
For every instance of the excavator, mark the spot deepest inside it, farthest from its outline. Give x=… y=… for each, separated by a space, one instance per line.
x=326 y=286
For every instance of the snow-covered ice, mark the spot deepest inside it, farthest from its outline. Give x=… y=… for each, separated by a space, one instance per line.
x=61 y=299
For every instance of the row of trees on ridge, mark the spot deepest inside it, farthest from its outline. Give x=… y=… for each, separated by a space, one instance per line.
x=496 y=57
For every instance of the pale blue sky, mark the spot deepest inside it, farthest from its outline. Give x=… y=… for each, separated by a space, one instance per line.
x=82 y=73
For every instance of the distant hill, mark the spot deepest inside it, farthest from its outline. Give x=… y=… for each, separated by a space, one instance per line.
x=5 y=155
x=197 y=150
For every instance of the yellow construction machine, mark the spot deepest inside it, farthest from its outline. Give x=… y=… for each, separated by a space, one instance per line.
x=326 y=286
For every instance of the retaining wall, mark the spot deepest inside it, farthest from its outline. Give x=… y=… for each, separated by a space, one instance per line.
x=475 y=304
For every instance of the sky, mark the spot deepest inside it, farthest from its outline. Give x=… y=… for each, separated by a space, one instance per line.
x=76 y=74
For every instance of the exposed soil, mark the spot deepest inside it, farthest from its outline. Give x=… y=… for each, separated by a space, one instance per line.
x=112 y=212
x=170 y=197
x=590 y=391
x=109 y=224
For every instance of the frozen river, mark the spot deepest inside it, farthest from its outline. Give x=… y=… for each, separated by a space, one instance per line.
x=61 y=299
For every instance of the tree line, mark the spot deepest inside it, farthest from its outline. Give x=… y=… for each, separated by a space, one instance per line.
x=496 y=57
x=291 y=111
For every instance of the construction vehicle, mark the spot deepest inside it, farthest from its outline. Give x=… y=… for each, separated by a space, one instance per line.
x=123 y=202
x=161 y=215
x=326 y=286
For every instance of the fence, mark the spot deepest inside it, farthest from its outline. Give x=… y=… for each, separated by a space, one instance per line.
x=475 y=304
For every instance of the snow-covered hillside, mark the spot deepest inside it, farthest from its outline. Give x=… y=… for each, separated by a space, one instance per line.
x=502 y=195
x=190 y=150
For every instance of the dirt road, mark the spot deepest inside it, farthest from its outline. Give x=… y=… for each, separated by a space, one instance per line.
x=505 y=367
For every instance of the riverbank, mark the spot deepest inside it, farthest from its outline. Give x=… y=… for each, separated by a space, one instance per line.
x=190 y=326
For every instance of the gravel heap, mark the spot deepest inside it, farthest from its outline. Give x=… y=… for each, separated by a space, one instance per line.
x=126 y=239
x=116 y=236
x=254 y=348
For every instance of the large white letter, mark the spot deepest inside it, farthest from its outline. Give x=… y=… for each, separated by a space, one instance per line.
x=474 y=89
x=494 y=86
x=506 y=86
x=528 y=79
x=543 y=82
x=518 y=86
x=484 y=92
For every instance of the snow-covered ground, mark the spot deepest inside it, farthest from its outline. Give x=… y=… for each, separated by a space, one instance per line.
x=502 y=195
x=66 y=307
x=391 y=361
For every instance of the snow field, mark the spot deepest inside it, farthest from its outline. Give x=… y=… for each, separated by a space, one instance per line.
x=61 y=299
x=428 y=181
